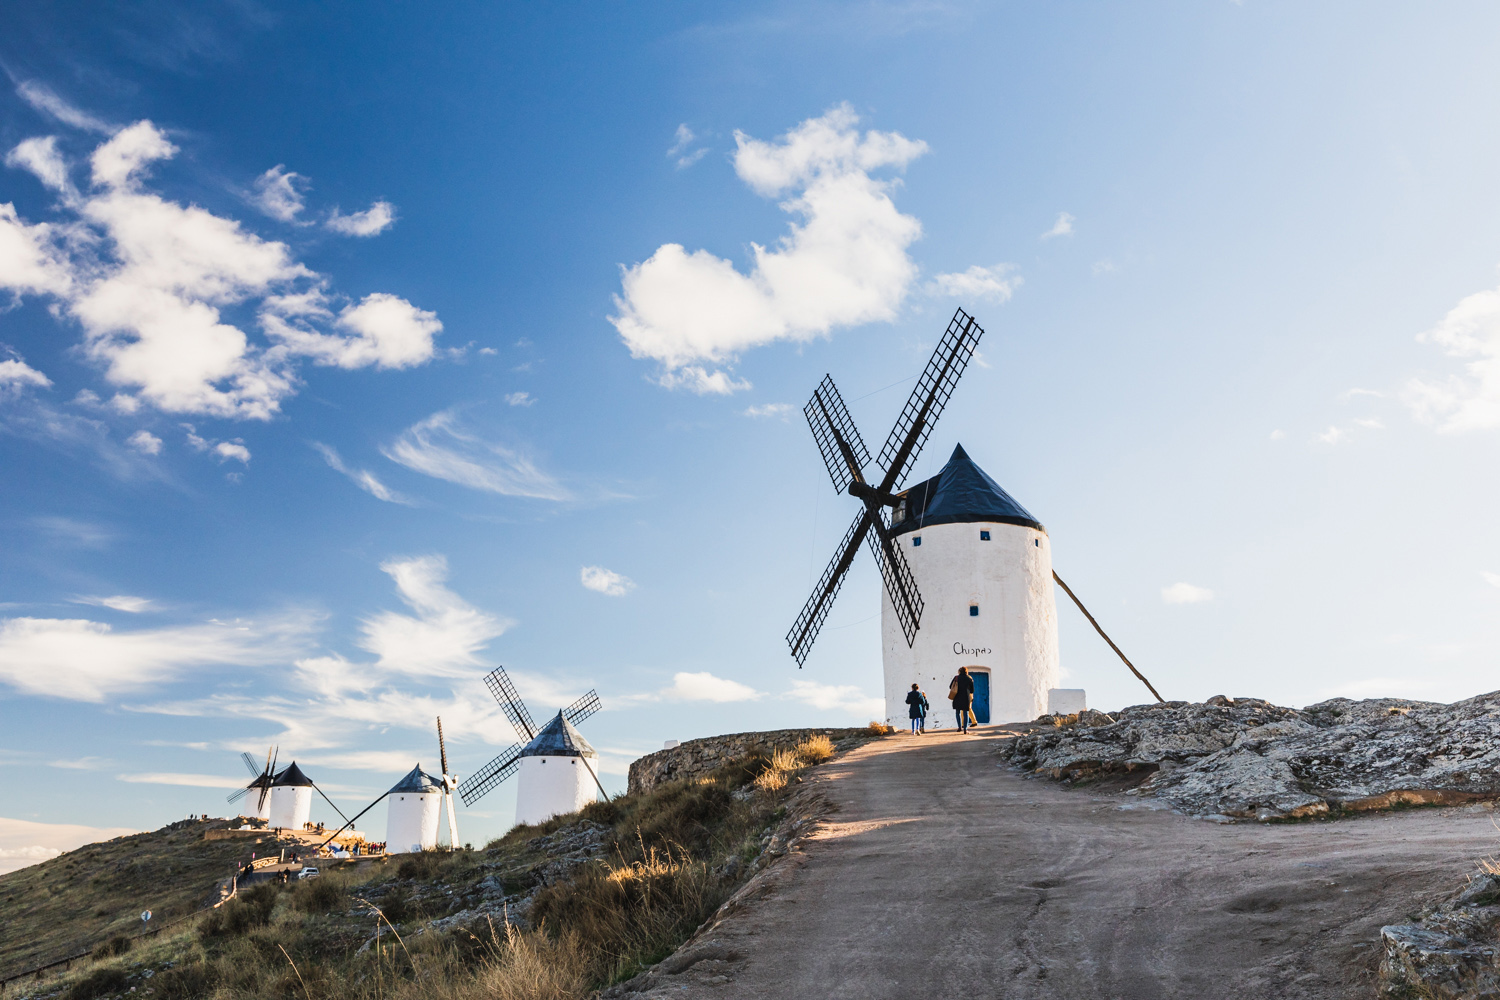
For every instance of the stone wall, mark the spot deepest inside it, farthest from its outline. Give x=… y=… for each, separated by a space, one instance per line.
x=696 y=758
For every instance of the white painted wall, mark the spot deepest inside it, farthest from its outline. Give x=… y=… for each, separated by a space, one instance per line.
x=290 y=806
x=411 y=822
x=551 y=786
x=1014 y=637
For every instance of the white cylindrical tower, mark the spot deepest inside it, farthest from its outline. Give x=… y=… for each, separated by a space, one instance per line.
x=412 y=811
x=983 y=566
x=554 y=777
x=291 y=799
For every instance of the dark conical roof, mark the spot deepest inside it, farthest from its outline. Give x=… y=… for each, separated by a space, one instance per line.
x=416 y=782
x=558 y=738
x=962 y=492
x=293 y=776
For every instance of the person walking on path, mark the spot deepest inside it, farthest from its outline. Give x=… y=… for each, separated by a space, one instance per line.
x=917 y=709
x=961 y=691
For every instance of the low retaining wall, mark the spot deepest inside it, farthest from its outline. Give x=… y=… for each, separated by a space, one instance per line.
x=696 y=758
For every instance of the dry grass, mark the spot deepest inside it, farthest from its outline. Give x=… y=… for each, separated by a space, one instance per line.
x=815 y=749
x=880 y=728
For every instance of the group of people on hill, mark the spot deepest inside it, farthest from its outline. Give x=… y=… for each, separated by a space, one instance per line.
x=960 y=694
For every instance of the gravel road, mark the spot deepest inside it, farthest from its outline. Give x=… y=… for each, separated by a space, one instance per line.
x=941 y=873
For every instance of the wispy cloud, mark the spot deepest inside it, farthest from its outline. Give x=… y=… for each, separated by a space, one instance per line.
x=145 y=442
x=441 y=448
x=845 y=698
x=700 y=686
x=16 y=376
x=781 y=411
x=119 y=602
x=681 y=150
x=47 y=101
x=995 y=284
x=278 y=193
x=445 y=635
x=1469 y=401
x=1062 y=227
x=1186 y=593
x=605 y=581
x=363 y=478
x=23 y=842
x=845 y=263
x=371 y=222
x=519 y=398
x=187 y=780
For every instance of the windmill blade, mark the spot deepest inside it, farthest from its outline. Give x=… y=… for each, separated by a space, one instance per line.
x=490 y=775
x=260 y=805
x=843 y=450
x=815 y=611
x=250 y=765
x=583 y=707
x=238 y=795
x=442 y=749
x=499 y=683
x=927 y=400
x=899 y=583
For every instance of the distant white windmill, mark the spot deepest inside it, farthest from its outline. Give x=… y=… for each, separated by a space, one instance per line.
x=260 y=784
x=556 y=775
x=415 y=805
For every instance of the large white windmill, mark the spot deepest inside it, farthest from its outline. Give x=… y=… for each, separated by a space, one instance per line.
x=260 y=784
x=556 y=775
x=967 y=570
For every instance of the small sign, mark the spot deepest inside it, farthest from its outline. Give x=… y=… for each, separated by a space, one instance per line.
x=145 y=915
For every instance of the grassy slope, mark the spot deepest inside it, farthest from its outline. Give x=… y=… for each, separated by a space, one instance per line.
x=79 y=899
x=660 y=864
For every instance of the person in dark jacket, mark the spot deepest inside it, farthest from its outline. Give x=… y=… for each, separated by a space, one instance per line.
x=962 y=690
x=917 y=709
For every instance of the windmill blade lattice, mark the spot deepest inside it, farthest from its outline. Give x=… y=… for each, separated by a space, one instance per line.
x=583 y=708
x=844 y=454
x=839 y=443
x=504 y=690
x=490 y=775
x=929 y=397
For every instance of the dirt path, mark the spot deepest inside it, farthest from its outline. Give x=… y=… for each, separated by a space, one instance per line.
x=941 y=873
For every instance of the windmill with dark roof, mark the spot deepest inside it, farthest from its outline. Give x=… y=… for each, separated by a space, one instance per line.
x=967 y=570
x=554 y=768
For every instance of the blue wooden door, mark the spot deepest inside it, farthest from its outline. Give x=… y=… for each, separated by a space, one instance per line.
x=981 y=697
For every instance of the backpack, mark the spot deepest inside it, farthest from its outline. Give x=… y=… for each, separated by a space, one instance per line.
x=953 y=689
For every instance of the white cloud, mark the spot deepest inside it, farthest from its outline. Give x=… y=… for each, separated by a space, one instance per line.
x=46 y=100
x=186 y=780
x=371 y=222
x=277 y=194
x=977 y=282
x=1349 y=394
x=441 y=640
x=1370 y=423
x=1333 y=435
x=440 y=448
x=1186 y=593
x=781 y=410
x=1470 y=401
x=85 y=660
x=23 y=842
x=680 y=152
x=1278 y=435
x=1105 y=266
x=706 y=687
x=119 y=602
x=841 y=697
x=145 y=442
x=519 y=398
x=696 y=378
x=1062 y=227
x=1493 y=579
x=362 y=478
x=606 y=581
x=225 y=450
x=17 y=375
x=843 y=264
x=41 y=158
x=147 y=279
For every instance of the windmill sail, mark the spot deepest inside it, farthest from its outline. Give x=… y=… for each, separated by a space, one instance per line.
x=845 y=456
x=583 y=708
x=490 y=775
x=504 y=690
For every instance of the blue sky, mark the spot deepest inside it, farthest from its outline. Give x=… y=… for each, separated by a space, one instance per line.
x=347 y=352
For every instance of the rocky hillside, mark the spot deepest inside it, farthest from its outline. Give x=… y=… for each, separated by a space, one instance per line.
x=1243 y=758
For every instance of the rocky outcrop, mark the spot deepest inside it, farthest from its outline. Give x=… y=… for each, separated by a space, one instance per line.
x=697 y=758
x=1248 y=759
x=1449 y=952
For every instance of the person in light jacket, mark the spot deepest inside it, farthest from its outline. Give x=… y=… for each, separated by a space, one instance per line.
x=916 y=708
x=961 y=689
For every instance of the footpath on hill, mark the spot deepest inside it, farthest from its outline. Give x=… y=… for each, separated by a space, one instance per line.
x=942 y=872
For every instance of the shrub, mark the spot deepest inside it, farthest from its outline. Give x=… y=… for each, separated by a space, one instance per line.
x=422 y=865
x=117 y=945
x=815 y=749
x=185 y=982
x=880 y=728
x=99 y=983
x=321 y=895
x=245 y=912
x=681 y=813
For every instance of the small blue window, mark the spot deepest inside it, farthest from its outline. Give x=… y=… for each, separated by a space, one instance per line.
x=984 y=536
x=1037 y=542
x=916 y=540
x=973 y=611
